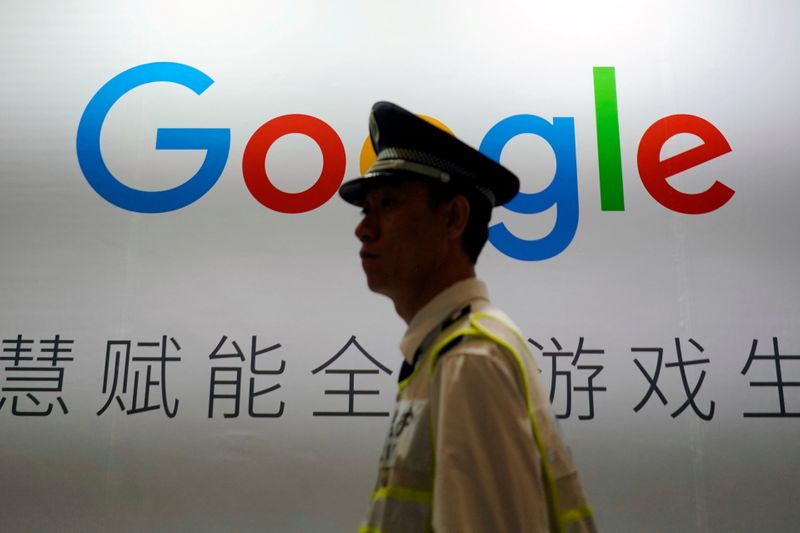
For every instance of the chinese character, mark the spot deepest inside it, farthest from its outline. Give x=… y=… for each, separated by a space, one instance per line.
x=351 y=392
x=233 y=382
x=149 y=374
x=691 y=391
x=780 y=383
x=590 y=372
x=29 y=380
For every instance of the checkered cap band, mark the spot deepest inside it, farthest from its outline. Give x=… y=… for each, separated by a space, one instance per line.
x=398 y=159
x=416 y=156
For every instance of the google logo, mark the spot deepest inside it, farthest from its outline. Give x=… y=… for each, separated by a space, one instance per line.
x=561 y=192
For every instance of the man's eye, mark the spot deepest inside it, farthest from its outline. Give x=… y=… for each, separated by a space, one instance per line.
x=388 y=201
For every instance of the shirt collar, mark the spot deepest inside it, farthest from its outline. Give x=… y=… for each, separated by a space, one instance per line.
x=436 y=310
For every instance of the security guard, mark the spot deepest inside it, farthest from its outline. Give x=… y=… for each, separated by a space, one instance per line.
x=473 y=445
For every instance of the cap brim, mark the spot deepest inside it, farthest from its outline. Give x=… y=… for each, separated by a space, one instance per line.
x=354 y=191
x=506 y=186
x=408 y=146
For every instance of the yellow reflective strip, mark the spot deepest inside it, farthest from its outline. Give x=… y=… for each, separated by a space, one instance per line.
x=404 y=494
x=537 y=436
x=441 y=344
x=577 y=514
x=403 y=384
x=367 y=529
x=434 y=355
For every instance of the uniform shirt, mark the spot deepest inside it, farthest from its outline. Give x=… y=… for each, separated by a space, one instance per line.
x=487 y=474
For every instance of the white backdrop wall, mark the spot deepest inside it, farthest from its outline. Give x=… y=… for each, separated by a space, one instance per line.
x=75 y=456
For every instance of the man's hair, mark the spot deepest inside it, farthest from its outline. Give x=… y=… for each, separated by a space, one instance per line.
x=476 y=231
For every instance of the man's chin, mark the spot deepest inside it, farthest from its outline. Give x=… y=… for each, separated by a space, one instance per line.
x=378 y=285
x=375 y=286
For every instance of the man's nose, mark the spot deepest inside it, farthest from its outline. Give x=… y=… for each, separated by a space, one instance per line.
x=366 y=230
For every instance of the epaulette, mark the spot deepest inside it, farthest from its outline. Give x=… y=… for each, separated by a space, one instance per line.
x=408 y=368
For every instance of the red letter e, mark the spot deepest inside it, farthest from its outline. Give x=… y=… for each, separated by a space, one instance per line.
x=654 y=172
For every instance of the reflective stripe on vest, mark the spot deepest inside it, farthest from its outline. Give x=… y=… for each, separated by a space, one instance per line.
x=397 y=509
x=561 y=519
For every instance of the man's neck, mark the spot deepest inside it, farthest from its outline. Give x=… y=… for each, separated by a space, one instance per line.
x=408 y=304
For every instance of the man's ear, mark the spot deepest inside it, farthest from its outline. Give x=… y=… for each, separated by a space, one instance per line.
x=458 y=211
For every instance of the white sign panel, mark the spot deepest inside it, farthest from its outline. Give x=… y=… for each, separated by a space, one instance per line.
x=188 y=343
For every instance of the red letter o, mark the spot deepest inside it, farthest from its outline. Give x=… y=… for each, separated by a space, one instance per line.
x=333 y=164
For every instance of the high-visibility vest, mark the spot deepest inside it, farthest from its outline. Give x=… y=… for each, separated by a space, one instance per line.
x=403 y=496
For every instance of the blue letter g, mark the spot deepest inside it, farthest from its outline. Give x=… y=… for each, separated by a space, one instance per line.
x=216 y=142
x=562 y=192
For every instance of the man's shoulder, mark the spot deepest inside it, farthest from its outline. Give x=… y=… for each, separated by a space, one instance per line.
x=491 y=322
x=484 y=357
x=485 y=331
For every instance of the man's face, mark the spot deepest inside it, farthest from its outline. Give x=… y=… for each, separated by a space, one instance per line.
x=403 y=238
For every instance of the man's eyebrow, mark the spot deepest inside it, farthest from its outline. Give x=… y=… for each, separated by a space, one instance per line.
x=389 y=187
x=381 y=191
